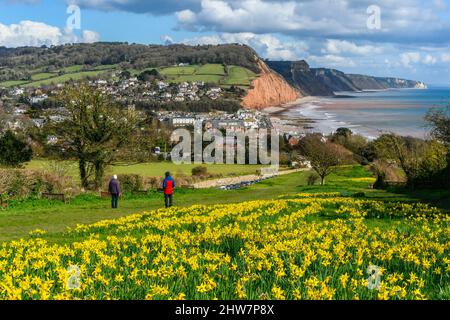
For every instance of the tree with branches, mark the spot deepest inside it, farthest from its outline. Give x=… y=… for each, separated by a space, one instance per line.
x=95 y=131
x=324 y=156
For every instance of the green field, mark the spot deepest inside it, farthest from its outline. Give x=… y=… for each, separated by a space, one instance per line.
x=154 y=169
x=64 y=78
x=39 y=78
x=42 y=76
x=239 y=76
x=213 y=69
x=13 y=83
x=54 y=217
x=176 y=71
x=279 y=239
x=209 y=73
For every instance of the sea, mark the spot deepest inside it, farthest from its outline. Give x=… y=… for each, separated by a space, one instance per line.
x=372 y=113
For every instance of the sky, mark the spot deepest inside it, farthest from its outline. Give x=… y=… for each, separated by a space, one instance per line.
x=400 y=38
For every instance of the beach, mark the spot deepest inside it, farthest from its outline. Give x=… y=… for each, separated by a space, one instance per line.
x=367 y=113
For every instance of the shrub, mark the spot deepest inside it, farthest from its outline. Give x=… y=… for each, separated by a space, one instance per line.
x=312 y=179
x=131 y=182
x=22 y=184
x=199 y=171
x=359 y=195
x=14 y=151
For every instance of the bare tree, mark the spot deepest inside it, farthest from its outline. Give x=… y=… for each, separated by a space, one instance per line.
x=439 y=121
x=324 y=156
x=417 y=158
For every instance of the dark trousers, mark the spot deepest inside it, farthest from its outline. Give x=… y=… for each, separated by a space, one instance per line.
x=114 y=201
x=168 y=198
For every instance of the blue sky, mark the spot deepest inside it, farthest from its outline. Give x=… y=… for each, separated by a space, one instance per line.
x=408 y=38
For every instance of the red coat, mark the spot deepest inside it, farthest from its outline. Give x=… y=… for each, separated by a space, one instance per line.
x=168 y=185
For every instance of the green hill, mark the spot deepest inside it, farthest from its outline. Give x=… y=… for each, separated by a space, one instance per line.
x=29 y=65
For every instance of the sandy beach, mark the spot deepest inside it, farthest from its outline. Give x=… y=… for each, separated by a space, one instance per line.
x=280 y=109
x=367 y=113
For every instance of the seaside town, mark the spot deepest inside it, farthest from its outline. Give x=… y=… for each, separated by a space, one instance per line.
x=22 y=108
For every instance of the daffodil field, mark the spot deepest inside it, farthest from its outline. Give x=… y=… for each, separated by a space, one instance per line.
x=302 y=246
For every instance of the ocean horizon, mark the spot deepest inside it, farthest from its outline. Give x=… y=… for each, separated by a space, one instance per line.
x=372 y=113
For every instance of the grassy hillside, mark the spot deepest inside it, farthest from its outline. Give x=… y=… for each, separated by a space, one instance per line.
x=153 y=169
x=279 y=239
x=76 y=72
x=17 y=64
x=209 y=73
x=54 y=217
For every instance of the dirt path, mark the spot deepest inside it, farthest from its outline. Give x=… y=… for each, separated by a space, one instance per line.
x=235 y=180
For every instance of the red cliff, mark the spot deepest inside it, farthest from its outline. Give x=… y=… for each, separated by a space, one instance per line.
x=268 y=90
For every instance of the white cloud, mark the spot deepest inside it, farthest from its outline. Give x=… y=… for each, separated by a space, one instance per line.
x=445 y=57
x=89 y=36
x=31 y=33
x=186 y=17
x=409 y=57
x=255 y=16
x=402 y=20
x=343 y=46
x=429 y=60
x=166 y=39
x=332 y=61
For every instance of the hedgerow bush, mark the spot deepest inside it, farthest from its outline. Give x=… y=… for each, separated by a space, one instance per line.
x=21 y=184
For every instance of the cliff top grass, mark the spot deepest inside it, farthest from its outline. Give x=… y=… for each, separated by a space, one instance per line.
x=54 y=217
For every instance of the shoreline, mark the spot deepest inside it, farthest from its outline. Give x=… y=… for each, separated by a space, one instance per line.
x=366 y=117
x=278 y=110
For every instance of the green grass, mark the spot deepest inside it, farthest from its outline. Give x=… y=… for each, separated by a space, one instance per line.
x=42 y=76
x=239 y=76
x=66 y=77
x=210 y=73
x=54 y=217
x=13 y=83
x=154 y=169
x=175 y=71
x=216 y=69
x=72 y=69
x=106 y=67
x=208 y=78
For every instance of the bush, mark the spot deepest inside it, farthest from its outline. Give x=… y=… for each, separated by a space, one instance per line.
x=14 y=151
x=22 y=184
x=312 y=179
x=200 y=171
x=131 y=182
x=359 y=195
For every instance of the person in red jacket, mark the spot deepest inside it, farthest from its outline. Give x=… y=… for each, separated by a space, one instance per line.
x=168 y=187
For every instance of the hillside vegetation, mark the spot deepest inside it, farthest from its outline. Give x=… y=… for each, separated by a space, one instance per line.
x=270 y=241
x=20 y=64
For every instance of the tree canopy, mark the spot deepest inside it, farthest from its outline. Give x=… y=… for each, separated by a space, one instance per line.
x=14 y=150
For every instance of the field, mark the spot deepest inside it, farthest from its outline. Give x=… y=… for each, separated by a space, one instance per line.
x=154 y=169
x=39 y=78
x=279 y=239
x=210 y=73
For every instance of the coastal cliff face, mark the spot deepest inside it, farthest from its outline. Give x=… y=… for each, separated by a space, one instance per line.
x=325 y=82
x=269 y=89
